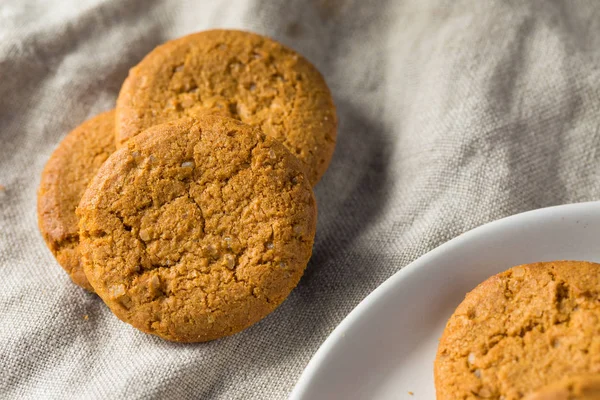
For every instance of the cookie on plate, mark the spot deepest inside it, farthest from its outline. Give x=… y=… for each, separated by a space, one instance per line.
x=64 y=179
x=197 y=229
x=521 y=330
x=238 y=74
x=581 y=387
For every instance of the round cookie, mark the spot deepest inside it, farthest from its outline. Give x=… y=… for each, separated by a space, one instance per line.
x=584 y=387
x=238 y=74
x=197 y=229
x=521 y=330
x=64 y=179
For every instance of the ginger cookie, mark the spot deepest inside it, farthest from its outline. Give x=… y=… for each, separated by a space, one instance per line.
x=238 y=74
x=586 y=387
x=64 y=179
x=521 y=330
x=197 y=229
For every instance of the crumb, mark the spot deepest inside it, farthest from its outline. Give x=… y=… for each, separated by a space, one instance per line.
x=86 y=317
x=2 y=188
x=411 y=393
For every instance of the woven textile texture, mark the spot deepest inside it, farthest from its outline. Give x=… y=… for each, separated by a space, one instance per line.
x=452 y=114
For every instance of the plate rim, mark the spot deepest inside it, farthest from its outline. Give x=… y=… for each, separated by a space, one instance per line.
x=311 y=369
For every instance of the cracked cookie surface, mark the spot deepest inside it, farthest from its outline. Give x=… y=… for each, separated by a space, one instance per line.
x=238 y=74
x=64 y=179
x=196 y=229
x=580 y=387
x=520 y=330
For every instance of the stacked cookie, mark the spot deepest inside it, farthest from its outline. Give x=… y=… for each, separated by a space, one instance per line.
x=189 y=208
x=532 y=332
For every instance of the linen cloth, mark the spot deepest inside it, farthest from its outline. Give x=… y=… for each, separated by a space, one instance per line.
x=452 y=114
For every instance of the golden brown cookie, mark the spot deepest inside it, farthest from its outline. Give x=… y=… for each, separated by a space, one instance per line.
x=197 y=229
x=581 y=387
x=238 y=74
x=520 y=330
x=65 y=177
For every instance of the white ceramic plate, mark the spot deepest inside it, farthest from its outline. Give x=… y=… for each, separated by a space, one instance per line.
x=385 y=347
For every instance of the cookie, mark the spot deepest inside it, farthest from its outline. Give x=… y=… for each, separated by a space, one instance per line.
x=521 y=330
x=238 y=74
x=197 y=229
x=64 y=179
x=586 y=387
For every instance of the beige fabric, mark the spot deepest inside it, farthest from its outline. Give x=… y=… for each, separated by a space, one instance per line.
x=452 y=114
